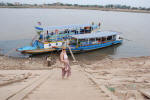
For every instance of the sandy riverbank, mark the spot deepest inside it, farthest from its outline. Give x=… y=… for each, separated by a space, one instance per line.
x=82 y=8
x=124 y=77
x=19 y=63
x=14 y=63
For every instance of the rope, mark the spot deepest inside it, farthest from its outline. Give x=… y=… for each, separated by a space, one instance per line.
x=127 y=39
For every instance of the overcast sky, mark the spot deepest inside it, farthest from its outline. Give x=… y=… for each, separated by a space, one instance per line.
x=137 y=3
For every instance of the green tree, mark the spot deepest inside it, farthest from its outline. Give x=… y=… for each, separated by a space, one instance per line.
x=2 y=4
x=10 y=4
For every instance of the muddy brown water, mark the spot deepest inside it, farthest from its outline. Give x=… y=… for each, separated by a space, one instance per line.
x=17 y=29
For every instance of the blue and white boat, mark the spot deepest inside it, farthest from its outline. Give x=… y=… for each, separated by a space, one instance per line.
x=87 y=42
x=52 y=37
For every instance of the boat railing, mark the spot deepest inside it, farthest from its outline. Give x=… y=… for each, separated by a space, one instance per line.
x=34 y=39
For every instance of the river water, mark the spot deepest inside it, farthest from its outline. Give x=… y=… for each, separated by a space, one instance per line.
x=17 y=29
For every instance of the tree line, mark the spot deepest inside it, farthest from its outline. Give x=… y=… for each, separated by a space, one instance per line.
x=77 y=5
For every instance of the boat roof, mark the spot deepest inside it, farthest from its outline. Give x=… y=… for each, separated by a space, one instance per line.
x=96 y=35
x=73 y=26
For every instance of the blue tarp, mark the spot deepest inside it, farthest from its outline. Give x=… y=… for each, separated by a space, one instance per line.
x=39 y=28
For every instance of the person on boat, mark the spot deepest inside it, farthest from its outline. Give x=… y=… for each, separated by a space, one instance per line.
x=99 y=24
x=52 y=33
x=47 y=36
x=41 y=37
x=92 y=23
x=66 y=70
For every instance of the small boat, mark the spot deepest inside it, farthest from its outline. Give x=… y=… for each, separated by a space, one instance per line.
x=87 y=42
x=52 y=37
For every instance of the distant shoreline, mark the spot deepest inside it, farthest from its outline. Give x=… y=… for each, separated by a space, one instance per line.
x=81 y=8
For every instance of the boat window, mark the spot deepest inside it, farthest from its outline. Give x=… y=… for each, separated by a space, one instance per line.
x=93 y=39
x=82 y=31
x=66 y=31
x=83 y=42
x=73 y=42
x=98 y=40
x=114 y=37
x=73 y=31
x=103 y=38
x=87 y=29
x=56 y=43
x=109 y=38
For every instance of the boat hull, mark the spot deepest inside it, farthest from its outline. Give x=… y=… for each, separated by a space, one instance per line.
x=74 y=50
x=93 y=47
x=38 y=51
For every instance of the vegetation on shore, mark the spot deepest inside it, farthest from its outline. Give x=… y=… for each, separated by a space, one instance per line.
x=59 y=5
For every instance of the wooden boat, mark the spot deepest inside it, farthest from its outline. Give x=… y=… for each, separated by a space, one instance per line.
x=52 y=37
x=37 y=51
x=87 y=42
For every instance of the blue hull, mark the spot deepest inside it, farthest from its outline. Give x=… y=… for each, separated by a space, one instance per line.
x=94 y=46
x=34 y=50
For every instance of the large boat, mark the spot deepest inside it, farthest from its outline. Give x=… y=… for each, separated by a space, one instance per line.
x=87 y=42
x=52 y=37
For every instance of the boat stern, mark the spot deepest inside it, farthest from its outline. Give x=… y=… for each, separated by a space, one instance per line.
x=26 y=48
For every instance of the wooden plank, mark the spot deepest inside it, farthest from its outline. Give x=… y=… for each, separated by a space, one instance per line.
x=74 y=60
x=20 y=95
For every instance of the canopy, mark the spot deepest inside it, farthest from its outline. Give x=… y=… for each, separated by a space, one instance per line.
x=95 y=35
x=73 y=26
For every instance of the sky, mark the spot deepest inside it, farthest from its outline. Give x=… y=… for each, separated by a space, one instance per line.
x=134 y=3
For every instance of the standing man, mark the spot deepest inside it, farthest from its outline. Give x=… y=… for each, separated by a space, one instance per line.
x=66 y=70
x=48 y=61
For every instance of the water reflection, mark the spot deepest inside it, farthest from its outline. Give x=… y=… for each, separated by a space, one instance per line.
x=97 y=54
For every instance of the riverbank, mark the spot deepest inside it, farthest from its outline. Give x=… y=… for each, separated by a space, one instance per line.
x=124 y=77
x=37 y=63
x=17 y=63
x=80 y=8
